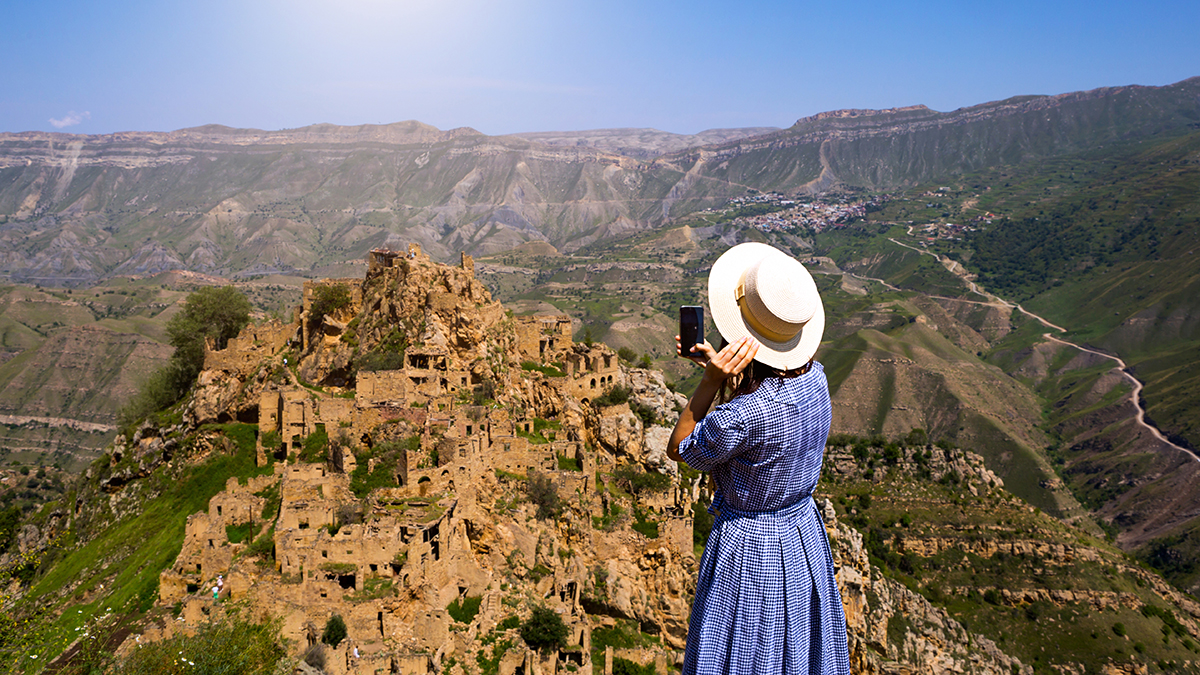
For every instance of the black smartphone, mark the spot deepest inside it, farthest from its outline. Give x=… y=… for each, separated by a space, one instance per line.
x=691 y=328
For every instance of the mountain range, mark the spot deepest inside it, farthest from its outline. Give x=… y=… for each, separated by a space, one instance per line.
x=75 y=210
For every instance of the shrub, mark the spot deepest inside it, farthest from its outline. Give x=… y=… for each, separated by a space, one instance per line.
x=627 y=354
x=644 y=412
x=540 y=490
x=315 y=445
x=335 y=631
x=463 y=610
x=636 y=482
x=271 y=440
x=380 y=360
x=236 y=534
x=327 y=299
x=626 y=667
x=649 y=528
x=315 y=656
x=264 y=546
x=388 y=456
x=702 y=522
x=544 y=629
x=614 y=396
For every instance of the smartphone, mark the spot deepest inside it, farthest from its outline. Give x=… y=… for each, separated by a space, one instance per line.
x=691 y=328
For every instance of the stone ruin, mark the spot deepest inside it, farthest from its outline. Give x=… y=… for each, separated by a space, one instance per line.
x=392 y=562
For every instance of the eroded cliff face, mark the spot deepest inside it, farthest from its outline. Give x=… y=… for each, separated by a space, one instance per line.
x=422 y=451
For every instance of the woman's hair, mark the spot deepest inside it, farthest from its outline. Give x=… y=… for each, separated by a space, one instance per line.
x=748 y=380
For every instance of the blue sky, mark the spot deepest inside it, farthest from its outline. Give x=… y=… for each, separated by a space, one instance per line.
x=543 y=65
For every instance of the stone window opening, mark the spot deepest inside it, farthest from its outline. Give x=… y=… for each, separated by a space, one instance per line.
x=218 y=510
x=210 y=544
x=304 y=525
x=324 y=554
x=374 y=568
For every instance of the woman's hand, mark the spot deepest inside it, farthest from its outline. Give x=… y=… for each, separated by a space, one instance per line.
x=698 y=354
x=728 y=362
x=722 y=365
x=718 y=367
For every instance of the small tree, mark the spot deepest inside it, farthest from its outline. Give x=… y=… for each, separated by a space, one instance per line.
x=544 y=629
x=335 y=631
x=216 y=313
x=541 y=492
x=327 y=299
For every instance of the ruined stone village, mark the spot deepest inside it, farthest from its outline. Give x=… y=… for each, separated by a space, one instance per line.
x=481 y=401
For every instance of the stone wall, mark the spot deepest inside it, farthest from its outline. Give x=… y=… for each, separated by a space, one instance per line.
x=256 y=343
x=541 y=337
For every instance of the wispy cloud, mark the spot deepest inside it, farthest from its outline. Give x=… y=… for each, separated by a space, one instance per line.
x=70 y=119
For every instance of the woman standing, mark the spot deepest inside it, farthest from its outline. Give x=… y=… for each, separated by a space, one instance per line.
x=766 y=599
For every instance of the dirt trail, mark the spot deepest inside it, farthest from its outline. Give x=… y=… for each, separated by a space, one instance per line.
x=79 y=425
x=994 y=300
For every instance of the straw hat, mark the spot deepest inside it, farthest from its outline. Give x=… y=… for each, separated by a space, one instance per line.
x=758 y=291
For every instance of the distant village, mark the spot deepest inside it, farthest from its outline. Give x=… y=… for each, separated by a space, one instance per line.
x=774 y=212
x=783 y=213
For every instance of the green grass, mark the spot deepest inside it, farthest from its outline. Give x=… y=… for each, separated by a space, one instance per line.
x=135 y=549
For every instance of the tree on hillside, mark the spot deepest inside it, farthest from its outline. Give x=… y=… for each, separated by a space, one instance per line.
x=544 y=629
x=327 y=299
x=219 y=313
x=211 y=312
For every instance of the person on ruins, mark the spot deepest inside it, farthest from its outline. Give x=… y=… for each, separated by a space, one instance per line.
x=766 y=598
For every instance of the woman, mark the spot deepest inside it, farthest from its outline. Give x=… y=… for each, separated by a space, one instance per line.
x=766 y=598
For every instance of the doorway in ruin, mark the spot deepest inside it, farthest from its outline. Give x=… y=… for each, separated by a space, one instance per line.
x=346 y=581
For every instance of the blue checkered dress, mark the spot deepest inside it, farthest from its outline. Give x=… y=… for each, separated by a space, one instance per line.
x=766 y=600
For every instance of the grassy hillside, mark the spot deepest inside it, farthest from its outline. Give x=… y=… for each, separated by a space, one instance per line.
x=104 y=566
x=1050 y=594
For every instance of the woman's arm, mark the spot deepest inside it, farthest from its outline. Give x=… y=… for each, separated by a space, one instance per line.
x=718 y=367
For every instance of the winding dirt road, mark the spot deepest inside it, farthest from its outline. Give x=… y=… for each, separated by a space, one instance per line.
x=991 y=299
